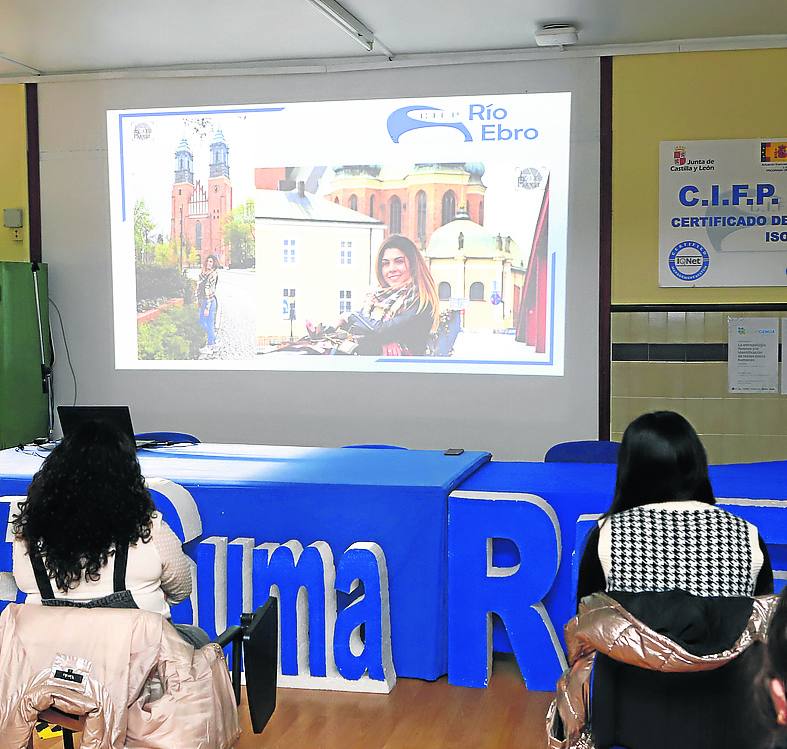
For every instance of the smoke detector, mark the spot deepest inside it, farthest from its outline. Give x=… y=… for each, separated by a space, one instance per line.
x=556 y=35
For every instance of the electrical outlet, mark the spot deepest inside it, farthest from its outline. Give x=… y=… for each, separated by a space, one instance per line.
x=17 y=234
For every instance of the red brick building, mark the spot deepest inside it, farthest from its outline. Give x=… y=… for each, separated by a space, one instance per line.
x=426 y=198
x=198 y=212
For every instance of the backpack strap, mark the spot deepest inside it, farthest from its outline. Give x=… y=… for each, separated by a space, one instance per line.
x=121 y=563
x=43 y=582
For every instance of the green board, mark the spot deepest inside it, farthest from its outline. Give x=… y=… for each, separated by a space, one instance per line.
x=23 y=402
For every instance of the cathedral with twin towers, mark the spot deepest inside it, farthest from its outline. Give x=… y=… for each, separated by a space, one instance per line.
x=198 y=212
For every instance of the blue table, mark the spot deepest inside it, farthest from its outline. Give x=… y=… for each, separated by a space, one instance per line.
x=399 y=499
x=396 y=498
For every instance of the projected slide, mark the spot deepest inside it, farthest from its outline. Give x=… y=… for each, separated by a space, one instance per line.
x=407 y=235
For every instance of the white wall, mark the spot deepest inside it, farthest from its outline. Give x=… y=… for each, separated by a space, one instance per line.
x=513 y=417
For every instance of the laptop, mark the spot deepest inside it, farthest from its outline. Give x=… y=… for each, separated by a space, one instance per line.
x=119 y=416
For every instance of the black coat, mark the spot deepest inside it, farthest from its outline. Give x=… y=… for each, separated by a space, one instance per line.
x=716 y=709
x=410 y=329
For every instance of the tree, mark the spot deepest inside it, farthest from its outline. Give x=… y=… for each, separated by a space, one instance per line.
x=238 y=231
x=165 y=253
x=143 y=225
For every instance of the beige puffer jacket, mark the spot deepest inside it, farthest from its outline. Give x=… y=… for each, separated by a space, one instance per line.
x=101 y=663
x=603 y=625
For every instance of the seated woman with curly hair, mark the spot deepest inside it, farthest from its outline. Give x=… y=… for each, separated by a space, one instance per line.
x=89 y=535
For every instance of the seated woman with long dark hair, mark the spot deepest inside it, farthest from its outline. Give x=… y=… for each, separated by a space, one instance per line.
x=89 y=534
x=664 y=639
x=663 y=530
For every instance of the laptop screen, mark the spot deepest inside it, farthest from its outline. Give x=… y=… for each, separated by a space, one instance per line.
x=72 y=416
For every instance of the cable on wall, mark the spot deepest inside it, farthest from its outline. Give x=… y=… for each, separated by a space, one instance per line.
x=65 y=344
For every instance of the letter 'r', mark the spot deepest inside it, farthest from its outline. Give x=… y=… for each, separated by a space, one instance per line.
x=476 y=588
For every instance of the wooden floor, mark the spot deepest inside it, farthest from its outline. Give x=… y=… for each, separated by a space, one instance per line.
x=416 y=715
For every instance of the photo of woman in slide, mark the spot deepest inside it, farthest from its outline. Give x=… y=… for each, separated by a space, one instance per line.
x=206 y=300
x=397 y=318
x=400 y=315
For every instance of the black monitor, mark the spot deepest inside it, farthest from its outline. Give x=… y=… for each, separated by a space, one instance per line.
x=72 y=416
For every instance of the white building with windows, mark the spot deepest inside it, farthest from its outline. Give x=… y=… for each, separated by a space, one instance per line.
x=314 y=261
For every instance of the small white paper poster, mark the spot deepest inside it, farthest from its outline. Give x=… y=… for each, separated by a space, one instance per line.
x=753 y=355
x=784 y=356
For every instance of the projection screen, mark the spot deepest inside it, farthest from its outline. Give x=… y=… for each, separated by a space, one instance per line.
x=231 y=392
x=390 y=235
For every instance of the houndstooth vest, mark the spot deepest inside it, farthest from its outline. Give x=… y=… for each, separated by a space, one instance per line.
x=698 y=548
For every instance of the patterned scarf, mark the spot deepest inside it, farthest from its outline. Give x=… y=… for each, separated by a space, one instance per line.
x=387 y=302
x=206 y=288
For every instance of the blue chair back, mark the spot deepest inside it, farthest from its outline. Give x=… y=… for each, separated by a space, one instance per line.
x=168 y=437
x=583 y=451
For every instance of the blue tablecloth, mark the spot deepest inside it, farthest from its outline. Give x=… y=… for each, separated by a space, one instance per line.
x=396 y=498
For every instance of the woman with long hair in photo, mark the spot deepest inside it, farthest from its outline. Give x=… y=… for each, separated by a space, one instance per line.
x=400 y=315
x=89 y=535
x=663 y=530
x=206 y=300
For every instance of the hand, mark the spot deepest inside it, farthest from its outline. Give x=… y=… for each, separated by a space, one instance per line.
x=392 y=349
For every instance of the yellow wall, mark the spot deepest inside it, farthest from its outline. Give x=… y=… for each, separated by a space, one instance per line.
x=685 y=96
x=13 y=168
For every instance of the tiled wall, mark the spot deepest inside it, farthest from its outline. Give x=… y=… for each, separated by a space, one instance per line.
x=734 y=428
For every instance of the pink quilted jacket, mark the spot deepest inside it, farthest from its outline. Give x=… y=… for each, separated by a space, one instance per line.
x=112 y=665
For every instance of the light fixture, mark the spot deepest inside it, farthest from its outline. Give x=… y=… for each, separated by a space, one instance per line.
x=556 y=35
x=347 y=22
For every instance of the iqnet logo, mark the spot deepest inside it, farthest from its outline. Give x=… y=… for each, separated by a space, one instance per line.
x=688 y=260
x=480 y=122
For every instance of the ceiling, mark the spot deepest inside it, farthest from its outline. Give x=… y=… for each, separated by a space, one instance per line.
x=57 y=36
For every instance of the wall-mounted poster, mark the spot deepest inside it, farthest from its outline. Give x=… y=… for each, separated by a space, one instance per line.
x=723 y=212
x=753 y=355
x=784 y=356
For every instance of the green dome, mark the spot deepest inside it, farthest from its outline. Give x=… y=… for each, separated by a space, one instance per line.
x=358 y=170
x=457 y=167
x=475 y=169
x=475 y=240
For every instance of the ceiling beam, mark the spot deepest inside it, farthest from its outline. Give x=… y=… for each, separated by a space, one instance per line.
x=20 y=64
x=380 y=62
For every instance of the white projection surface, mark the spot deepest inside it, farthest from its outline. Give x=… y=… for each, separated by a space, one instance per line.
x=249 y=237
